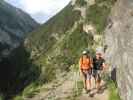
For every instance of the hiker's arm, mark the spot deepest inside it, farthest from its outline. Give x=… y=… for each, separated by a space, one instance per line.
x=104 y=66
x=91 y=63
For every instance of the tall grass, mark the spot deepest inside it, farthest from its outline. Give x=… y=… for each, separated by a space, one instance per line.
x=113 y=91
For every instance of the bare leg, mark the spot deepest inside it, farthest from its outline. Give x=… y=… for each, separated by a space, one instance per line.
x=95 y=82
x=84 y=81
x=98 y=82
x=95 y=78
x=89 y=84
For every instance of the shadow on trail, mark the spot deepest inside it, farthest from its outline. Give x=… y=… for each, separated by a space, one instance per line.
x=100 y=91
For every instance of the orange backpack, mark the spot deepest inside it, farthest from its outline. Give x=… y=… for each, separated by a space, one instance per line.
x=85 y=64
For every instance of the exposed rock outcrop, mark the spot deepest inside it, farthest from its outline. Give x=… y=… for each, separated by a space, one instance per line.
x=119 y=38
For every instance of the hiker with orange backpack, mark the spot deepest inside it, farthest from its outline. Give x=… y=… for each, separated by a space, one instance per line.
x=86 y=64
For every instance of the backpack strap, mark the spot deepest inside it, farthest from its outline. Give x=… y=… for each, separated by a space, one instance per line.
x=89 y=60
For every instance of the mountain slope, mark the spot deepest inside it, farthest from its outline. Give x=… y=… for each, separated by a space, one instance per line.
x=48 y=33
x=56 y=46
x=14 y=25
x=61 y=40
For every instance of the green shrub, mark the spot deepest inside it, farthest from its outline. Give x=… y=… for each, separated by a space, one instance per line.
x=18 y=98
x=81 y=2
x=48 y=72
x=75 y=43
x=63 y=62
x=108 y=2
x=1 y=97
x=30 y=91
x=113 y=91
x=97 y=14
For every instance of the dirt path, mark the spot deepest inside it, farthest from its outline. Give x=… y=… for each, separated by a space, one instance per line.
x=103 y=94
x=59 y=90
x=63 y=90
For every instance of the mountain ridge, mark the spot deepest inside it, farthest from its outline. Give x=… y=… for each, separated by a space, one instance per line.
x=14 y=25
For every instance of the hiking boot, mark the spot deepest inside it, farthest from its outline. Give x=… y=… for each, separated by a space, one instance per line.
x=91 y=95
x=99 y=90
x=86 y=91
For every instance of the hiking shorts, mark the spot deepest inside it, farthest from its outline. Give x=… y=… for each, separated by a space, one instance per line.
x=97 y=74
x=87 y=74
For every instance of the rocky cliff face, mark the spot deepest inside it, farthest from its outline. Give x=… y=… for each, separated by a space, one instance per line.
x=14 y=24
x=119 y=38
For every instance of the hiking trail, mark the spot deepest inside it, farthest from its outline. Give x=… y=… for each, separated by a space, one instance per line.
x=63 y=89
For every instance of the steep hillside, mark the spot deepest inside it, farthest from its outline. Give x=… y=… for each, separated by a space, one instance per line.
x=43 y=38
x=119 y=38
x=14 y=26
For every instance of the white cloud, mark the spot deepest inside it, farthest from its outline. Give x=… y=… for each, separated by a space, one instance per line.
x=40 y=9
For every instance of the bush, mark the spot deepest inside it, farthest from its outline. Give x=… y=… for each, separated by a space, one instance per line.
x=63 y=62
x=81 y=2
x=108 y=2
x=75 y=43
x=113 y=91
x=97 y=14
x=48 y=73
x=1 y=97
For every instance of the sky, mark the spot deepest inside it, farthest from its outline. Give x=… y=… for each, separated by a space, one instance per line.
x=40 y=10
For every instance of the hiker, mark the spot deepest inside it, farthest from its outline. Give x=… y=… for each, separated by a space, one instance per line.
x=85 y=64
x=98 y=66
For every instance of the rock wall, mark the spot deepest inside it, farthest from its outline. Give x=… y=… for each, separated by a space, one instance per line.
x=119 y=38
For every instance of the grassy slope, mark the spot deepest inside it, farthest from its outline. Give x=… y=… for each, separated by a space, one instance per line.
x=60 y=23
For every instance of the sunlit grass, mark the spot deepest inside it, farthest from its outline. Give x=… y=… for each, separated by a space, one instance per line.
x=113 y=91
